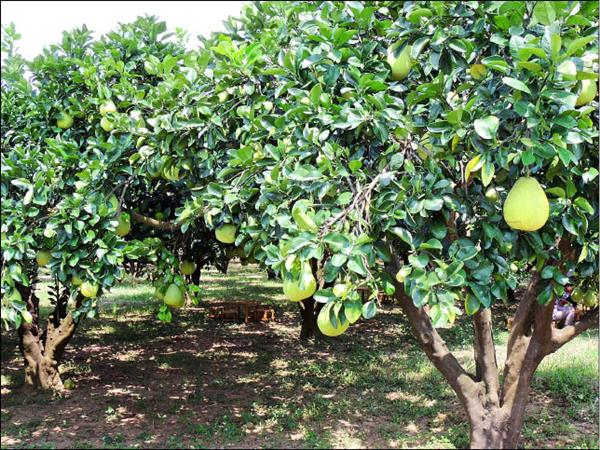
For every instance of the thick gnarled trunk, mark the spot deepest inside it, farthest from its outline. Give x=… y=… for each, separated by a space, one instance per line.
x=43 y=351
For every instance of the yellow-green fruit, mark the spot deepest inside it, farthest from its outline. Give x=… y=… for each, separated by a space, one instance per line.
x=293 y=292
x=478 y=71
x=159 y=294
x=43 y=257
x=526 y=207
x=64 y=120
x=325 y=325
x=89 y=289
x=588 y=92
x=492 y=194
x=108 y=107
x=174 y=296
x=403 y=273
x=590 y=299
x=124 y=226
x=69 y=384
x=76 y=281
x=106 y=124
x=187 y=267
x=226 y=233
x=400 y=64
x=577 y=295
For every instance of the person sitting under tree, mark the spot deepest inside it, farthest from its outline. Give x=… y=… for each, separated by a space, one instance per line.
x=564 y=309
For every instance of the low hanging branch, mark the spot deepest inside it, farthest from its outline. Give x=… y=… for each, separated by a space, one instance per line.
x=158 y=224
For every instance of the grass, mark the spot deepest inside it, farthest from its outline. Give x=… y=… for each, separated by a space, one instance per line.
x=195 y=383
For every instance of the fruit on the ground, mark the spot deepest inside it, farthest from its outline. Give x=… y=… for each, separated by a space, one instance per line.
x=526 y=207
x=590 y=298
x=327 y=328
x=76 y=281
x=64 y=120
x=399 y=60
x=478 y=71
x=403 y=273
x=106 y=124
x=577 y=295
x=174 y=296
x=226 y=233
x=43 y=257
x=69 y=384
x=188 y=267
x=124 y=226
x=295 y=293
x=588 y=92
x=107 y=107
x=492 y=194
x=340 y=289
x=89 y=289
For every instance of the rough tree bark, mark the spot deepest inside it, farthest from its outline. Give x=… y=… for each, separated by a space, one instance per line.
x=309 y=310
x=43 y=350
x=496 y=412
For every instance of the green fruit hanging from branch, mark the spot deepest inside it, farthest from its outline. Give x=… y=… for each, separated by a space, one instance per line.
x=399 y=60
x=526 y=207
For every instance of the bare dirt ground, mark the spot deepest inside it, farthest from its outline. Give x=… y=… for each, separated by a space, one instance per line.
x=198 y=383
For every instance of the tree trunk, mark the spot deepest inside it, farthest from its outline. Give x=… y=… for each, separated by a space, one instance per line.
x=496 y=413
x=309 y=310
x=43 y=351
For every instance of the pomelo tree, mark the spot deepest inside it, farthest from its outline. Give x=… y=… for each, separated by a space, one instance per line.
x=75 y=192
x=393 y=173
x=293 y=127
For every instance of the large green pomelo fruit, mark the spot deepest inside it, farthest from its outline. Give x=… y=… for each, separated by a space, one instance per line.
x=226 y=233
x=64 y=120
x=106 y=124
x=292 y=289
x=124 y=226
x=325 y=325
x=89 y=289
x=590 y=299
x=526 y=207
x=43 y=257
x=107 y=107
x=174 y=296
x=187 y=267
x=588 y=92
x=400 y=63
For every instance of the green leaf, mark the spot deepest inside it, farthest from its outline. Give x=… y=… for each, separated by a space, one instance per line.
x=369 y=309
x=471 y=304
x=584 y=205
x=544 y=12
x=487 y=127
x=403 y=234
x=356 y=264
x=487 y=173
x=516 y=84
x=579 y=43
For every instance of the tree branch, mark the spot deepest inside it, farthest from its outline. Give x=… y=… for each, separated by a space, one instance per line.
x=485 y=354
x=433 y=344
x=158 y=224
x=564 y=335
